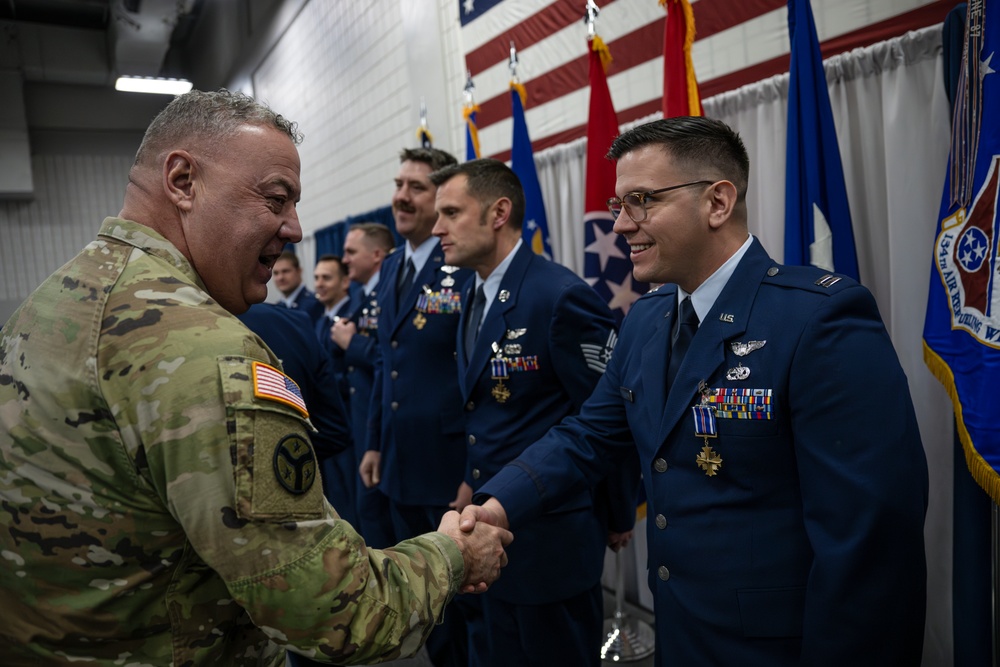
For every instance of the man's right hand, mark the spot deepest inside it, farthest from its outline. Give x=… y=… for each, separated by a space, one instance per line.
x=482 y=550
x=342 y=332
x=491 y=512
x=371 y=462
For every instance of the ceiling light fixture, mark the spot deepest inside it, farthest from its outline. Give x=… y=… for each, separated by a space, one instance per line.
x=150 y=84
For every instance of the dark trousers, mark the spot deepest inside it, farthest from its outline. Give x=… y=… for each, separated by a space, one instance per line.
x=448 y=644
x=374 y=521
x=340 y=481
x=568 y=632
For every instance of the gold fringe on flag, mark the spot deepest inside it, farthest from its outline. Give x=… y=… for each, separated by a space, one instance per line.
x=982 y=472
x=597 y=44
x=423 y=132
x=694 y=104
x=467 y=112
x=519 y=87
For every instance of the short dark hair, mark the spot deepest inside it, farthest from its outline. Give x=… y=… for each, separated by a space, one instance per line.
x=377 y=233
x=329 y=257
x=291 y=257
x=693 y=141
x=488 y=181
x=435 y=157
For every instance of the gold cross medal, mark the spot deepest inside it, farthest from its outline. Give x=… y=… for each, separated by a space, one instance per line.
x=498 y=371
x=419 y=320
x=705 y=427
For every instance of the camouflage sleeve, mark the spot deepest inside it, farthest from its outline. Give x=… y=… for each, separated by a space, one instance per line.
x=229 y=453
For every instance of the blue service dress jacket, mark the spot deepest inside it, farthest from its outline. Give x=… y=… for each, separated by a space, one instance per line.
x=359 y=357
x=306 y=302
x=805 y=544
x=289 y=335
x=541 y=349
x=416 y=416
x=322 y=328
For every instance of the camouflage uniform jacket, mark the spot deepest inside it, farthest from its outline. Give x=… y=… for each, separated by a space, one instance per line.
x=157 y=507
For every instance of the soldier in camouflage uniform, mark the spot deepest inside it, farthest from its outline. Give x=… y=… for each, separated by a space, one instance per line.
x=159 y=500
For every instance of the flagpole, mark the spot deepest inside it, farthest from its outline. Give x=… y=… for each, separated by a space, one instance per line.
x=626 y=639
x=995 y=550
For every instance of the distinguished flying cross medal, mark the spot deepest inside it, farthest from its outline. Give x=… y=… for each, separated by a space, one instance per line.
x=705 y=427
x=498 y=372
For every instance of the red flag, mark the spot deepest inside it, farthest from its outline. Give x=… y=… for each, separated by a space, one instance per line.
x=606 y=264
x=680 y=87
x=602 y=128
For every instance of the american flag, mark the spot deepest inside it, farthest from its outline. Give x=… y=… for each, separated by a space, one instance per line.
x=550 y=36
x=271 y=384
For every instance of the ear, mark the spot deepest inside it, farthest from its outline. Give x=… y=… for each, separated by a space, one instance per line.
x=722 y=198
x=179 y=170
x=501 y=209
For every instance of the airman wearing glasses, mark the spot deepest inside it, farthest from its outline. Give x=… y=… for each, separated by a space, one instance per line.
x=785 y=476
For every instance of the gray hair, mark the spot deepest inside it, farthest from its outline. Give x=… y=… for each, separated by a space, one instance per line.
x=207 y=118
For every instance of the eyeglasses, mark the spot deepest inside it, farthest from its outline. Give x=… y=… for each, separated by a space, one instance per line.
x=634 y=203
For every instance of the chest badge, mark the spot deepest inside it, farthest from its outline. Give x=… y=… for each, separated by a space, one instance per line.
x=448 y=280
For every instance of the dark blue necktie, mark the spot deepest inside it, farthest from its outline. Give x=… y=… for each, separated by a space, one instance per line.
x=405 y=282
x=681 y=339
x=472 y=325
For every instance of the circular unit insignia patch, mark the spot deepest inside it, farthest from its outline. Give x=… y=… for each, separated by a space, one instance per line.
x=294 y=464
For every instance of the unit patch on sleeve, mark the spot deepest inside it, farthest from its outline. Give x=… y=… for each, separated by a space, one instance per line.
x=294 y=464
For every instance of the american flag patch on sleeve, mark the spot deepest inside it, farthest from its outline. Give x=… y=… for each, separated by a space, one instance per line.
x=271 y=384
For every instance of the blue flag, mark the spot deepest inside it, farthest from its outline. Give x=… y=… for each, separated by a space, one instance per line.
x=469 y=112
x=962 y=324
x=817 y=216
x=522 y=161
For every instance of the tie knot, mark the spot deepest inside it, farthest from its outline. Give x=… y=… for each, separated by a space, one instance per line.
x=687 y=315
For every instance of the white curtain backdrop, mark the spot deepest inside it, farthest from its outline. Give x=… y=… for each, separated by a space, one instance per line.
x=892 y=118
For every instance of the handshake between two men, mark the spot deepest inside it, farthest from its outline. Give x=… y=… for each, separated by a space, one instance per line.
x=481 y=535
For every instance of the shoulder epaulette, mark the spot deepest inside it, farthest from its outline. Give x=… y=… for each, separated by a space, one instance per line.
x=807 y=278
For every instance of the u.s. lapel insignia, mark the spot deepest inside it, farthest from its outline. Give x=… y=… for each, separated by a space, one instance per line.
x=515 y=333
x=419 y=321
x=726 y=317
x=741 y=372
x=448 y=280
x=741 y=349
x=503 y=296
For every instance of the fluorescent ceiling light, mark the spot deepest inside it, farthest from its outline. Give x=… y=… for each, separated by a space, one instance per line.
x=149 y=84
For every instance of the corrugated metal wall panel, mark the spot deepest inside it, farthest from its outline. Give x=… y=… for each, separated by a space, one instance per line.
x=73 y=194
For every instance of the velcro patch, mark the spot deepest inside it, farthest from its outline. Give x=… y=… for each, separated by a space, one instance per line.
x=294 y=464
